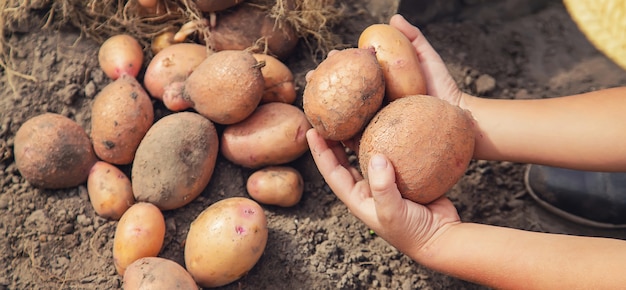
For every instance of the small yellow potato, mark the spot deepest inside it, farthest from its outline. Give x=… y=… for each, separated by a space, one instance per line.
x=276 y=185
x=110 y=192
x=156 y=273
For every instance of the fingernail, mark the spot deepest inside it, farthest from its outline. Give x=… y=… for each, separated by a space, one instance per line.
x=378 y=162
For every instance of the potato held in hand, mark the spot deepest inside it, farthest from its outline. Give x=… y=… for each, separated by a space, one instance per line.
x=225 y=241
x=53 y=151
x=343 y=93
x=121 y=115
x=276 y=185
x=273 y=134
x=175 y=160
x=398 y=59
x=429 y=142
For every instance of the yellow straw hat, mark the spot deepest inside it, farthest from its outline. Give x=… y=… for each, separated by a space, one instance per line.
x=604 y=23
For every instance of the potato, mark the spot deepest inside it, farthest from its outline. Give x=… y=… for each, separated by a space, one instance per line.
x=119 y=55
x=225 y=241
x=156 y=273
x=110 y=191
x=53 y=151
x=215 y=5
x=247 y=24
x=429 y=142
x=226 y=87
x=276 y=185
x=279 y=84
x=175 y=161
x=121 y=115
x=139 y=233
x=397 y=57
x=172 y=64
x=274 y=134
x=343 y=93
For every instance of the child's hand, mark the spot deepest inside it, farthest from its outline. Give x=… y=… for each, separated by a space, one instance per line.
x=406 y=225
x=439 y=82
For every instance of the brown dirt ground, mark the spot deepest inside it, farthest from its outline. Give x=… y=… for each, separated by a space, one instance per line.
x=52 y=239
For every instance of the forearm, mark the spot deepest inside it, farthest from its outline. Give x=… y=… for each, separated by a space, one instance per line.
x=586 y=131
x=507 y=258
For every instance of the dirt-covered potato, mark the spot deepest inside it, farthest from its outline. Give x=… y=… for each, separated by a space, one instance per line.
x=139 y=233
x=279 y=84
x=225 y=241
x=226 y=87
x=246 y=25
x=429 y=142
x=215 y=5
x=274 y=134
x=276 y=185
x=398 y=59
x=110 y=191
x=121 y=115
x=343 y=93
x=156 y=273
x=175 y=160
x=172 y=66
x=53 y=151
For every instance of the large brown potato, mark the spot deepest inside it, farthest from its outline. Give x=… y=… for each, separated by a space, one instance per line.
x=429 y=142
x=175 y=160
x=343 y=93
x=121 y=115
x=274 y=134
x=53 y=151
x=225 y=241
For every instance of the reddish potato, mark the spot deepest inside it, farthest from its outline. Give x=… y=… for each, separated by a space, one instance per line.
x=120 y=54
x=121 y=115
x=429 y=142
x=110 y=192
x=225 y=241
x=53 y=151
x=398 y=59
x=155 y=273
x=175 y=160
x=226 y=87
x=172 y=64
x=343 y=93
x=274 y=134
x=276 y=185
x=279 y=85
x=139 y=233
x=246 y=24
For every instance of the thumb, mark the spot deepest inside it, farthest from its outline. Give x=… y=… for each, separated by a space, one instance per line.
x=382 y=181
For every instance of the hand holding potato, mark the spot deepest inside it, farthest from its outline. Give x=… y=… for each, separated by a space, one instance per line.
x=406 y=225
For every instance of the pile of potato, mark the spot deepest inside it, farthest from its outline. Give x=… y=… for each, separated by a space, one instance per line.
x=172 y=159
x=372 y=94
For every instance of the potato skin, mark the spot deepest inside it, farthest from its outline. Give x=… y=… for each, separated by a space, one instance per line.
x=276 y=185
x=225 y=241
x=110 y=191
x=279 y=84
x=53 y=151
x=429 y=142
x=398 y=59
x=156 y=273
x=343 y=93
x=175 y=160
x=139 y=233
x=121 y=115
x=274 y=134
x=172 y=64
x=226 y=87
x=215 y=5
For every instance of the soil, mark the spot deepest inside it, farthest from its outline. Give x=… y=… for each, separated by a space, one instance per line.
x=513 y=49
